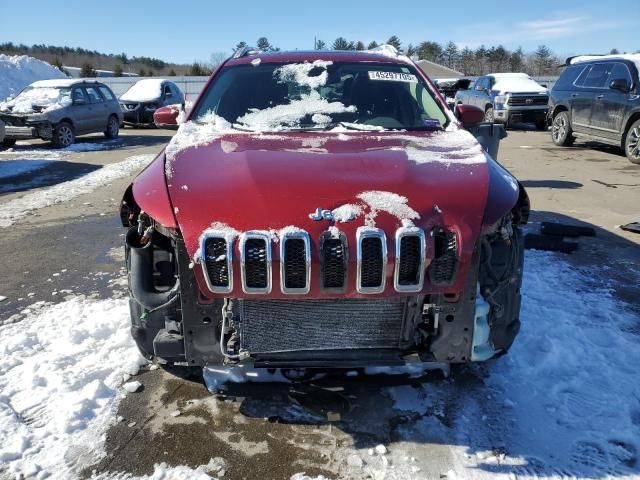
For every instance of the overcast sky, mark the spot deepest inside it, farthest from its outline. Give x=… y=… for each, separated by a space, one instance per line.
x=188 y=30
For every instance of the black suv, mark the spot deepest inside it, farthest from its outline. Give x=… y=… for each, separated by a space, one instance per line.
x=598 y=98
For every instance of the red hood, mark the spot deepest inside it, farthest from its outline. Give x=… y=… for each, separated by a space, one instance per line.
x=268 y=182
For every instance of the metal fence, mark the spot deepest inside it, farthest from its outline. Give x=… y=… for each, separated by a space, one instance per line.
x=191 y=86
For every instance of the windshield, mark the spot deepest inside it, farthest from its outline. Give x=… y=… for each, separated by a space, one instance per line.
x=37 y=98
x=321 y=95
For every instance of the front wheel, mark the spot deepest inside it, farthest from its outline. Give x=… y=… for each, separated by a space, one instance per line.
x=113 y=127
x=632 y=143
x=63 y=135
x=561 y=132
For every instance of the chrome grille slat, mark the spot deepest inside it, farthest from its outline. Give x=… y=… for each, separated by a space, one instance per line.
x=371 y=245
x=410 y=259
x=216 y=251
x=295 y=262
x=255 y=258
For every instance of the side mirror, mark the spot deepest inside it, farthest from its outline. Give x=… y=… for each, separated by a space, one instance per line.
x=469 y=115
x=620 y=84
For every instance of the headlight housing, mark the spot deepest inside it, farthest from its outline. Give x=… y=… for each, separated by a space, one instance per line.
x=500 y=101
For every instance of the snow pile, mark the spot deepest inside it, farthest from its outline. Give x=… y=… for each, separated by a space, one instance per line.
x=516 y=83
x=287 y=116
x=19 y=71
x=389 y=202
x=60 y=375
x=146 y=90
x=213 y=470
x=14 y=210
x=299 y=73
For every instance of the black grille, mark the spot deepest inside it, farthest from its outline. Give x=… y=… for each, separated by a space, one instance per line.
x=410 y=260
x=371 y=262
x=217 y=262
x=524 y=101
x=255 y=263
x=334 y=263
x=444 y=265
x=295 y=263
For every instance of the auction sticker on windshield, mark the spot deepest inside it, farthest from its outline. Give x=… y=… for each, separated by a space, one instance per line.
x=393 y=77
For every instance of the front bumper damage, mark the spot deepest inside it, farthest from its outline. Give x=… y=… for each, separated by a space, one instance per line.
x=18 y=127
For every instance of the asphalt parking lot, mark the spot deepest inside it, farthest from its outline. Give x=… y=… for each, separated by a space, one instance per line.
x=314 y=428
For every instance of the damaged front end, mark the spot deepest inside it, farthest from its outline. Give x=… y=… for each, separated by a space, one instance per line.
x=27 y=126
x=294 y=299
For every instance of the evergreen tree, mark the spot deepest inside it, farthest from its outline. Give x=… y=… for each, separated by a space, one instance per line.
x=411 y=51
x=394 y=41
x=57 y=63
x=172 y=73
x=196 y=70
x=117 y=70
x=320 y=45
x=614 y=51
x=340 y=43
x=352 y=45
x=543 y=60
x=240 y=45
x=359 y=45
x=431 y=51
x=467 y=61
x=142 y=72
x=264 y=45
x=372 y=45
x=516 y=60
x=451 y=55
x=87 y=70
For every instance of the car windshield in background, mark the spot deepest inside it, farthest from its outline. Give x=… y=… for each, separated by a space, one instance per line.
x=321 y=95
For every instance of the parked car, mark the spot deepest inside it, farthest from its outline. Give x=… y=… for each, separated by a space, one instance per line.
x=324 y=210
x=448 y=87
x=167 y=117
x=144 y=97
x=597 y=98
x=508 y=98
x=59 y=110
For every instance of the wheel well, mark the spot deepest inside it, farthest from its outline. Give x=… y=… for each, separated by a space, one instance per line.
x=69 y=121
x=558 y=109
x=635 y=116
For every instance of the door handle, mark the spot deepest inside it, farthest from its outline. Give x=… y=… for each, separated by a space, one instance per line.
x=575 y=94
x=599 y=97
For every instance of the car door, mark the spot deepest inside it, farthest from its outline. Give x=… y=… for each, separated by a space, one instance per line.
x=482 y=95
x=99 y=109
x=589 y=84
x=610 y=104
x=81 y=110
x=111 y=102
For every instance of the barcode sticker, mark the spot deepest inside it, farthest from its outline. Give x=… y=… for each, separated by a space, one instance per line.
x=393 y=77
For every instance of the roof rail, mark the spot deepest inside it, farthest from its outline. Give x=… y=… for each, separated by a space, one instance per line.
x=569 y=59
x=245 y=52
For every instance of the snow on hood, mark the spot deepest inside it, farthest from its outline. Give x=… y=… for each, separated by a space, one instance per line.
x=31 y=99
x=145 y=90
x=516 y=83
x=19 y=71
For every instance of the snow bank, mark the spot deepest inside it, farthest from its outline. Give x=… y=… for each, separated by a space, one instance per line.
x=146 y=90
x=14 y=210
x=18 y=71
x=59 y=377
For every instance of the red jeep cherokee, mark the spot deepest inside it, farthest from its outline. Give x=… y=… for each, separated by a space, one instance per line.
x=323 y=210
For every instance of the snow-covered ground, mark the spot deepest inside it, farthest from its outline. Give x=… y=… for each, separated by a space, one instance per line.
x=12 y=168
x=18 y=71
x=18 y=208
x=564 y=402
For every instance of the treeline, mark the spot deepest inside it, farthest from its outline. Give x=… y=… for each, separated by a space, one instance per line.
x=91 y=60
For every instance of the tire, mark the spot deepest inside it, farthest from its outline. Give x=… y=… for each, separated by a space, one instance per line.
x=561 y=132
x=63 y=135
x=113 y=127
x=488 y=115
x=8 y=142
x=632 y=143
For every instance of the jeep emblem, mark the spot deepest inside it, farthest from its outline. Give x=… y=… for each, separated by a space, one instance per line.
x=321 y=214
